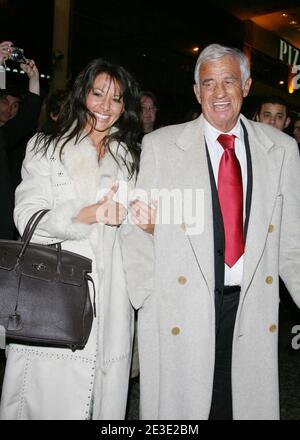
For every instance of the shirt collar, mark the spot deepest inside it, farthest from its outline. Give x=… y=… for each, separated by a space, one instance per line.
x=211 y=133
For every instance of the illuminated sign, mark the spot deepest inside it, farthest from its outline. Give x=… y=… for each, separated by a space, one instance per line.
x=288 y=54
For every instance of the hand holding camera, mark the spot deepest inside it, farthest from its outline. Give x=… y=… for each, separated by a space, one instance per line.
x=17 y=55
x=5 y=51
x=8 y=51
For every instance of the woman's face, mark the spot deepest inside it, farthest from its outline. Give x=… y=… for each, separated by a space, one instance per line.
x=105 y=102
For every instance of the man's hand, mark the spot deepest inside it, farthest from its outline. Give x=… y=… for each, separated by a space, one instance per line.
x=144 y=215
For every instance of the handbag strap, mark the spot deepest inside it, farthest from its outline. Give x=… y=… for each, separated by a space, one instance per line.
x=29 y=223
x=30 y=228
x=89 y=278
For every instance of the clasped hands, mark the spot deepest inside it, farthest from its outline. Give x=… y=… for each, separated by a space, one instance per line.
x=112 y=213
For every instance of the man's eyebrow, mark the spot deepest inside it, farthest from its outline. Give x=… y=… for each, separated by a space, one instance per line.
x=231 y=77
x=276 y=114
x=206 y=80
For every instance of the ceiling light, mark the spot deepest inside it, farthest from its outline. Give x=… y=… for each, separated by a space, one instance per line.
x=284 y=15
x=281 y=82
x=195 y=49
x=293 y=22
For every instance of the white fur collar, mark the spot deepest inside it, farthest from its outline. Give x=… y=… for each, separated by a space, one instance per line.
x=87 y=173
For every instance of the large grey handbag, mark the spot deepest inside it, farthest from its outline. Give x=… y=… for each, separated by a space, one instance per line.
x=44 y=292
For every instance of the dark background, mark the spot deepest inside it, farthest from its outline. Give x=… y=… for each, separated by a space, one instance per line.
x=153 y=39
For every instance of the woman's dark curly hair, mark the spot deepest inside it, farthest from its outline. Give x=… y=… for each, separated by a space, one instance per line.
x=75 y=115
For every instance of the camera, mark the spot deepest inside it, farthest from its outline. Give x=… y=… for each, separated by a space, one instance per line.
x=17 y=55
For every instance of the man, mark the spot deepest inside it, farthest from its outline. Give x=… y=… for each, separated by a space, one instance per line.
x=9 y=105
x=273 y=110
x=296 y=131
x=208 y=301
x=18 y=119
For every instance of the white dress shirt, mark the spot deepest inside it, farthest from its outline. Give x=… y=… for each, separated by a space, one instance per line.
x=233 y=275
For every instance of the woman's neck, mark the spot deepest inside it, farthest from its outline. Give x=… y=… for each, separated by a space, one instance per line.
x=97 y=138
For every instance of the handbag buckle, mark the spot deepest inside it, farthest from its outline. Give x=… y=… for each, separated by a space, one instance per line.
x=39 y=266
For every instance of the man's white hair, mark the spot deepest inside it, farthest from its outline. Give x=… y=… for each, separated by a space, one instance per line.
x=215 y=51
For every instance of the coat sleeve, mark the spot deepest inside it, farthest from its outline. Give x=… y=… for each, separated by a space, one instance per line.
x=289 y=262
x=137 y=245
x=35 y=192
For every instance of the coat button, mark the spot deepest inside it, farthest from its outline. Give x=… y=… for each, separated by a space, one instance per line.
x=269 y=280
x=175 y=331
x=271 y=228
x=182 y=280
x=273 y=328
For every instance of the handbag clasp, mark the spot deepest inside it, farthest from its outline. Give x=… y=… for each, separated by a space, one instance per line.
x=39 y=266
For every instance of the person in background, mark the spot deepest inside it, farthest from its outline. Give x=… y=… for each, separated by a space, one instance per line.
x=18 y=118
x=53 y=106
x=149 y=109
x=206 y=282
x=273 y=110
x=80 y=172
x=296 y=131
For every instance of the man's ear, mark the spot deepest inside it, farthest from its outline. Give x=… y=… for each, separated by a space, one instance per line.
x=287 y=122
x=197 y=92
x=247 y=87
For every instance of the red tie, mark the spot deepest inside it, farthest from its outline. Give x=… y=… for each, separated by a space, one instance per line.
x=230 y=190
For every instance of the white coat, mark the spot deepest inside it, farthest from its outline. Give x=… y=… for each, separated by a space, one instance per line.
x=51 y=383
x=171 y=277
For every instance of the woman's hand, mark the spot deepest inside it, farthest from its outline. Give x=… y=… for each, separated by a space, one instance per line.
x=144 y=215
x=106 y=211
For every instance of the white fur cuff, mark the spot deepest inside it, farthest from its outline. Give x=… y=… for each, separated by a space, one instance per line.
x=60 y=222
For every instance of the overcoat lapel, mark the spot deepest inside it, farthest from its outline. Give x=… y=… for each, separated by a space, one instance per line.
x=189 y=171
x=264 y=169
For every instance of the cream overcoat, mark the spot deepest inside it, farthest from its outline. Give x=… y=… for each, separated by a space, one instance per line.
x=171 y=277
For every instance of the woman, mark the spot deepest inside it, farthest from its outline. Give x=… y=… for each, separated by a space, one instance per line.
x=149 y=109
x=77 y=172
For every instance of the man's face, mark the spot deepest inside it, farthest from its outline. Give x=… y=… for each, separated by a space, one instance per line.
x=220 y=92
x=273 y=114
x=296 y=131
x=9 y=106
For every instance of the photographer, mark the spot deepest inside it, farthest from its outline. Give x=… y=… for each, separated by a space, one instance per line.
x=19 y=114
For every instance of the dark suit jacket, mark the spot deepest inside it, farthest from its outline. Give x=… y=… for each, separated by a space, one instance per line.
x=13 y=139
